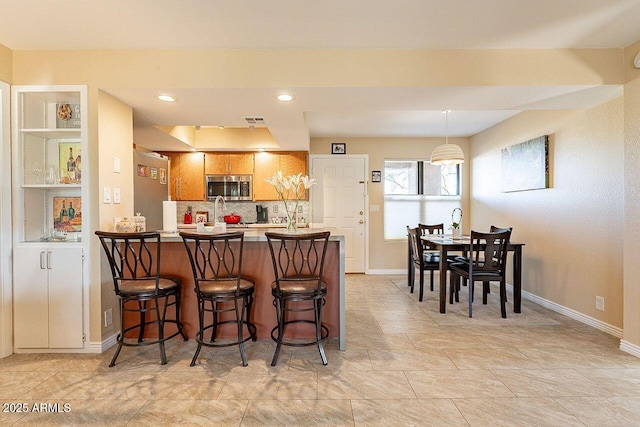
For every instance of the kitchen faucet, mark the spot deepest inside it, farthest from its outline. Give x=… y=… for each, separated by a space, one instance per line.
x=215 y=208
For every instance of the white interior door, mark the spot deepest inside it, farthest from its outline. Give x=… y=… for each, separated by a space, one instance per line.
x=339 y=201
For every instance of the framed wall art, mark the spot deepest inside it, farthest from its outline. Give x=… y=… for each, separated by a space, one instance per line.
x=525 y=166
x=69 y=162
x=338 y=148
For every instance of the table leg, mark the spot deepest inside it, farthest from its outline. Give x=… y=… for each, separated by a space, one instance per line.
x=517 y=279
x=443 y=279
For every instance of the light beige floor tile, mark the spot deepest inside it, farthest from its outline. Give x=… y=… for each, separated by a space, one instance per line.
x=15 y=384
x=602 y=411
x=177 y=385
x=520 y=411
x=410 y=412
x=85 y=385
x=373 y=385
x=101 y=412
x=456 y=384
x=619 y=382
x=490 y=358
x=403 y=360
x=552 y=382
x=380 y=341
x=284 y=385
x=445 y=340
x=298 y=413
x=352 y=359
x=191 y=412
x=562 y=357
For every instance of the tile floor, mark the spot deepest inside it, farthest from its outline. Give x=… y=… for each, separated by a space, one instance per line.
x=405 y=364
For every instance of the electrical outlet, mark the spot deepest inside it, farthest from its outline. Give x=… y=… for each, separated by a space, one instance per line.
x=299 y=209
x=108 y=317
x=599 y=303
x=275 y=209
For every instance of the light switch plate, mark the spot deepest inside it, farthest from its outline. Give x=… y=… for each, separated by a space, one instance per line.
x=106 y=195
x=116 y=195
x=116 y=164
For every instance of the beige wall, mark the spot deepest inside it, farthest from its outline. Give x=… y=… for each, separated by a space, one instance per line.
x=573 y=247
x=632 y=198
x=392 y=254
x=6 y=64
x=115 y=133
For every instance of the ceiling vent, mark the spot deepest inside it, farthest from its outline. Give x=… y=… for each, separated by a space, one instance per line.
x=255 y=121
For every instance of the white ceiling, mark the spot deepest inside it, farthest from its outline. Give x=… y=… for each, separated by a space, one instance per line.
x=339 y=24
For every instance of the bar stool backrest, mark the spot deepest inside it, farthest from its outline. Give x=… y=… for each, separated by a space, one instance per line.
x=298 y=257
x=130 y=256
x=215 y=257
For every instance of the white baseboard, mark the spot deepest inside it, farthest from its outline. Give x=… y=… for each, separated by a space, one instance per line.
x=383 y=271
x=587 y=320
x=632 y=349
x=107 y=343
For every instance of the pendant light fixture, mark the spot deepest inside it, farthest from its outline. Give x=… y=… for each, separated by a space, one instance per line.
x=447 y=154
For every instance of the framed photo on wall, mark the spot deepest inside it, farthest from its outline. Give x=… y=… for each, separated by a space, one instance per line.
x=338 y=148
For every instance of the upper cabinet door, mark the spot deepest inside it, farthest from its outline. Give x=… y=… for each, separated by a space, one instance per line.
x=187 y=176
x=228 y=164
x=266 y=165
x=241 y=164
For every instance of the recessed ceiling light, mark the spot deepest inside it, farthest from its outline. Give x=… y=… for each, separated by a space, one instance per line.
x=167 y=98
x=221 y=126
x=285 y=97
x=261 y=149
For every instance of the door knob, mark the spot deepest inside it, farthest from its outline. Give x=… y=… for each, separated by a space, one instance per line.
x=361 y=222
x=361 y=213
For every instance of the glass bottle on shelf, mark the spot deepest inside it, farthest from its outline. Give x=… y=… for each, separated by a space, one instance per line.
x=78 y=168
x=71 y=166
x=63 y=216
x=71 y=211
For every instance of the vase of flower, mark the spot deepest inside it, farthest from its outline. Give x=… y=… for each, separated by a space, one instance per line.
x=292 y=224
x=456 y=231
x=291 y=189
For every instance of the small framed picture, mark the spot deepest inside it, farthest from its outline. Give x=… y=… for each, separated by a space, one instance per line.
x=202 y=217
x=338 y=148
x=163 y=176
x=376 y=176
x=153 y=173
x=143 y=170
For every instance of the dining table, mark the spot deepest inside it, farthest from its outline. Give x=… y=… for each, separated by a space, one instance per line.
x=446 y=243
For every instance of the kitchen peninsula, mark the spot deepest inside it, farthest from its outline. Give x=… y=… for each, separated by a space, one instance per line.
x=257 y=266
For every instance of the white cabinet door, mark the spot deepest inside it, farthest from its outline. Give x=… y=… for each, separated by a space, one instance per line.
x=48 y=297
x=31 y=298
x=65 y=298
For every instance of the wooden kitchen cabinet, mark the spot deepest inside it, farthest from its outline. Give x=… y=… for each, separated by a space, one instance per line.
x=228 y=163
x=187 y=176
x=266 y=164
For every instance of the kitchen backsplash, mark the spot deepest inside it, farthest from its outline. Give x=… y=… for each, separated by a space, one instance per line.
x=246 y=210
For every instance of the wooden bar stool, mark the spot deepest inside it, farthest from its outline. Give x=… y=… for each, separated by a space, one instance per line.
x=135 y=267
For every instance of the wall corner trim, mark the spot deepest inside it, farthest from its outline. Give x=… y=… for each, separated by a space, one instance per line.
x=632 y=349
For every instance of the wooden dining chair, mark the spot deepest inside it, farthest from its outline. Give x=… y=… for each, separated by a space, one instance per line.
x=422 y=259
x=487 y=263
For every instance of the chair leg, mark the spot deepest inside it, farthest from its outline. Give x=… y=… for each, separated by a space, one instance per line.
x=120 y=338
x=178 y=321
x=142 y=309
x=318 y=319
x=421 y=284
x=214 y=329
x=470 y=285
x=200 y=333
x=412 y=275
x=243 y=353
x=252 y=328
x=160 y=317
x=503 y=299
x=486 y=289
x=431 y=280
x=280 y=310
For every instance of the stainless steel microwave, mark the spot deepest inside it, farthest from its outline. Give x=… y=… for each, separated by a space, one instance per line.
x=231 y=187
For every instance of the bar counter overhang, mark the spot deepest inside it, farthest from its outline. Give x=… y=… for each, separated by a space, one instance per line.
x=258 y=266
